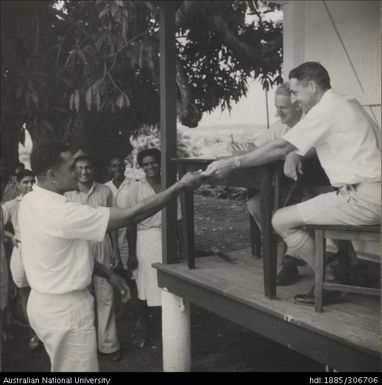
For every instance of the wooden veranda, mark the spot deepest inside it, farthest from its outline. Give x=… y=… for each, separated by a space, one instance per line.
x=345 y=336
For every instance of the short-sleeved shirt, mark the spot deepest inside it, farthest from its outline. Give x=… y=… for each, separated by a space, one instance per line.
x=346 y=139
x=56 y=232
x=140 y=190
x=11 y=214
x=275 y=131
x=98 y=195
x=118 y=191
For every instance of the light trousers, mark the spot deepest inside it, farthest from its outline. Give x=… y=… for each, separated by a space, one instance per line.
x=65 y=325
x=350 y=205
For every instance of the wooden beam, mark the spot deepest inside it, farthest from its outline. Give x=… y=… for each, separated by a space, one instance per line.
x=168 y=124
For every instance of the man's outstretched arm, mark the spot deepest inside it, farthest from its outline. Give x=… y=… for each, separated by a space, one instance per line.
x=151 y=205
x=267 y=153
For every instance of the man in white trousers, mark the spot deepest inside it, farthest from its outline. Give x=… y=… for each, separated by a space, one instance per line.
x=59 y=265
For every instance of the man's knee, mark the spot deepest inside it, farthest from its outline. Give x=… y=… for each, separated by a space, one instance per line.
x=278 y=222
x=286 y=219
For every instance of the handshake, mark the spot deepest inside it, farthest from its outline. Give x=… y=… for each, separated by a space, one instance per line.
x=217 y=170
x=192 y=180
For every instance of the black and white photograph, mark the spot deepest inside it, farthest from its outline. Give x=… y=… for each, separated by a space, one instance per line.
x=190 y=187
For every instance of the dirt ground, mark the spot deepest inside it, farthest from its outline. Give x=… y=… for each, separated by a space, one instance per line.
x=217 y=344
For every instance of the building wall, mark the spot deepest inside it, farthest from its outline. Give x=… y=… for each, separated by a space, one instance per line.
x=309 y=35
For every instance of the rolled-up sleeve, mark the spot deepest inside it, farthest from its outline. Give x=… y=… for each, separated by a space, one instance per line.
x=310 y=131
x=85 y=222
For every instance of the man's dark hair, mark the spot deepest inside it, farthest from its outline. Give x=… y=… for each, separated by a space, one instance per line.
x=154 y=152
x=85 y=157
x=47 y=154
x=22 y=174
x=119 y=157
x=312 y=70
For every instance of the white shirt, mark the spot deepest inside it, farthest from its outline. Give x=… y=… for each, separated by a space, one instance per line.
x=117 y=191
x=98 y=195
x=140 y=190
x=346 y=139
x=275 y=131
x=11 y=214
x=55 y=233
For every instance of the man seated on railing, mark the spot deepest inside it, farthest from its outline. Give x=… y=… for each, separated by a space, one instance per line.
x=348 y=146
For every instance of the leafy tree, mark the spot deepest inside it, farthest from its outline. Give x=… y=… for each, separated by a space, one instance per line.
x=88 y=71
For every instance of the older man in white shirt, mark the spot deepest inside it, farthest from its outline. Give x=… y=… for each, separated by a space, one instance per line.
x=348 y=145
x=289 y=114
x=59 y=265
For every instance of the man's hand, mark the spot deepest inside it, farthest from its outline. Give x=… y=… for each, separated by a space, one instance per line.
x=132 y=262
x=292 y=166
x=219 y=169
x=15 y=241
x=115 y=258
x=192 y=180
x=120 y=284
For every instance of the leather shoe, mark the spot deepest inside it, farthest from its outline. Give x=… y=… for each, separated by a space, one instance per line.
x=328 y=297
x=288 y=274
x=298 y=261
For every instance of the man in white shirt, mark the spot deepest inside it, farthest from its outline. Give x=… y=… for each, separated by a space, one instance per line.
x=348 y=145
x=10 y=209
x=59 y=265
x=290 y=114
x=119 y=186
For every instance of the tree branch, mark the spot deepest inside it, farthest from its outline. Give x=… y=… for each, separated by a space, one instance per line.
x=73 y=22
x=231 y=38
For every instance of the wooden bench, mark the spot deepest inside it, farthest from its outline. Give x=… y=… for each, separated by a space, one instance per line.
x=345 y=233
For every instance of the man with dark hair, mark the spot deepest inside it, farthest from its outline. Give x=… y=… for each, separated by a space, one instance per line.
x=145 y=241
x=118 y=186
x=312 y=71
x=59 y=265
x=25 y=180
x=153 y=152
x=106 y=252
x=348 y=145
x=11 y=189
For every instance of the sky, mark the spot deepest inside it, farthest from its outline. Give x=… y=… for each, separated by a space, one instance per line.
x=249 y=110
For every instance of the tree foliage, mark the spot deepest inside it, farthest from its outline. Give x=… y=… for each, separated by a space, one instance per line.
x=88 y=71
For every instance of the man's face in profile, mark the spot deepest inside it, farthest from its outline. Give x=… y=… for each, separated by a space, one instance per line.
x=303 y=92
x=287 y=111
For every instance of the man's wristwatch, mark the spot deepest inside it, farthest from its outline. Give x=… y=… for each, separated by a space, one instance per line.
x=237 y=162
